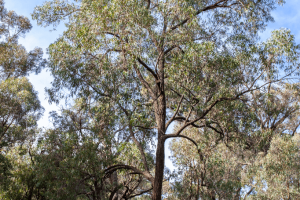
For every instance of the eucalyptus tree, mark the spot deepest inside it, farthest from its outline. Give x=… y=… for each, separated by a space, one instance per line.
x=260 y=160
x=73 y=158
x=164 y=62
x=19 y=106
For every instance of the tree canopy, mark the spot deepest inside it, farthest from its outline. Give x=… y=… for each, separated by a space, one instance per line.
x=131 y=70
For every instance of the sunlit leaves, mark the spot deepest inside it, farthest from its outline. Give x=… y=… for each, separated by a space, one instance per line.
x=20 y=109
x=133 y=65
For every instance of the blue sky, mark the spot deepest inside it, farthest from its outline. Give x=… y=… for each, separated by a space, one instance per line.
x=287 y=16
x=37 y=37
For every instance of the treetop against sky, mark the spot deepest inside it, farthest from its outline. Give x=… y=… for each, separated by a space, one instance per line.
x=286 y=16
x=140 y=77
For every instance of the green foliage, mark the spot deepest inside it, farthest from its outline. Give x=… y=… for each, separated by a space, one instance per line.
x=135 y=67
x=258 y=158
x=20 y=108
x=192 y=63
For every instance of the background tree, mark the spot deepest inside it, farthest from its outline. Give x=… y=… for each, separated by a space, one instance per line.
x=163 y=62
x=19 y=107
x=74 y=158
x=241 y=166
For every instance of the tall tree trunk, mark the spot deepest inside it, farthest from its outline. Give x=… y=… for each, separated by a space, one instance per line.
x=159 y=169
x=160 y=115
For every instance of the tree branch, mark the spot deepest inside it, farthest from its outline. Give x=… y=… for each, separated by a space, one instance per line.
x=216 y=5
x=176 y=112
x=140 y=193
x=188 y=138
x=113 y=168
x=182 y=136
x=142 y=127
x=148 y=4
x=113 y=34
x=205 y=112
x=148 y=68
x=144 y=82
x=138 y=144
x=173 y=47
